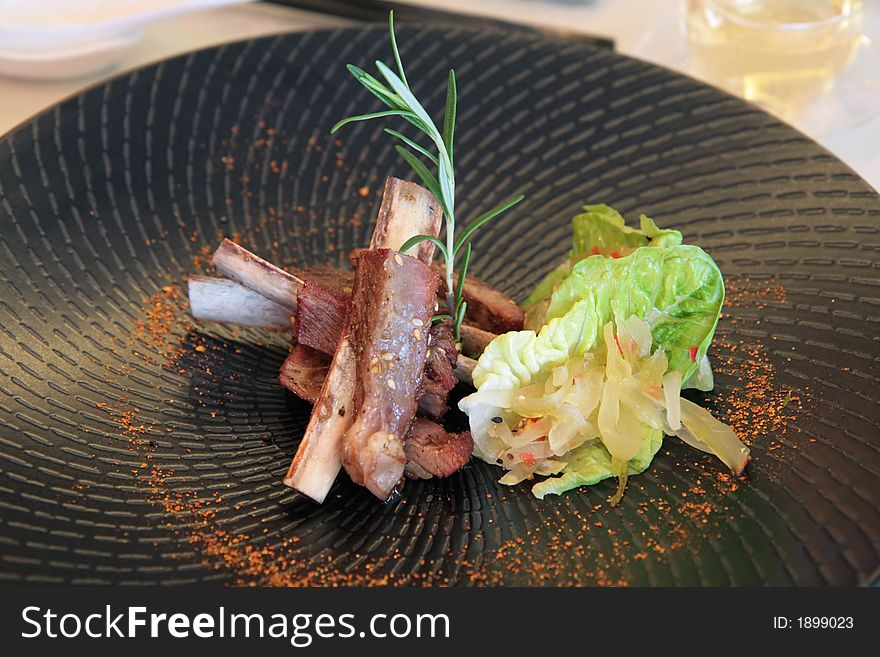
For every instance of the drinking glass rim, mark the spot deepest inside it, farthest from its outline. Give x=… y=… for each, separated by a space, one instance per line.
x=717 y=5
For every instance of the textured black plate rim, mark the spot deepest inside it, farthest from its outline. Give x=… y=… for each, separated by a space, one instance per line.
x=373 y=25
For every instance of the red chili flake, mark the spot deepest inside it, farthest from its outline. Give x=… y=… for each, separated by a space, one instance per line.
x=615 y=254
x=693 y=352
x=528 y=458
x=619 y=348
x=594 y=250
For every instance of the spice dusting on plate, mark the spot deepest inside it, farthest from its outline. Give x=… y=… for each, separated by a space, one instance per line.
x=132 y=425
x=748 y=293
x=755 y=407
x=754 y=404
x=162 y=325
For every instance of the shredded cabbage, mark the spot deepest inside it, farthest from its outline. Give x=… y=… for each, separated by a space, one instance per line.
x=585 y=416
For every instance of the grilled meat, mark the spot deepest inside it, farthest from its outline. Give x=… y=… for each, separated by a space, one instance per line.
x=433 y=451
x=390 y=314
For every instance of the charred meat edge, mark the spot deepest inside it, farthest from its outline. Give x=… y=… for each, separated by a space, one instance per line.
x=304 y=371
x=320 y=317
x=338 y=281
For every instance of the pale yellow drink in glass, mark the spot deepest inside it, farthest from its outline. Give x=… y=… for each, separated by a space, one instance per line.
x=778 y=53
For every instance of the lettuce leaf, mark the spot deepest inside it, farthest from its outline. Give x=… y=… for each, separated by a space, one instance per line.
x=678 y=290
x=600 y=230
x=514 y=359
x=519 y=359
x=591 y=463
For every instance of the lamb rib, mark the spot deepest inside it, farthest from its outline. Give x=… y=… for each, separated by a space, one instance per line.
x=391 y=308
x=407 y=209
x=243 y=306
x=320 y=316
x=257 y=274
x=430 y=449
x=324 y=288
x=488 y=308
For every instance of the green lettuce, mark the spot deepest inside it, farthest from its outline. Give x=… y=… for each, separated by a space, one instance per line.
x=600 y=230
x=591 y=463
x=678 y=290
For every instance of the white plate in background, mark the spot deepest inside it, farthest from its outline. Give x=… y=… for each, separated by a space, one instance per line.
x=57 y=39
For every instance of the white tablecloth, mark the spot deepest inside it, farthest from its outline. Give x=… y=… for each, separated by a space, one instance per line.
x=626 y=21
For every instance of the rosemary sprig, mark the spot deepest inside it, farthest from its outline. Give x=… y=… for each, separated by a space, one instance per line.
x=398 y=96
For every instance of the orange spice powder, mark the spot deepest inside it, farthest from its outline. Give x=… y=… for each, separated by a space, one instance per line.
x=162 y=325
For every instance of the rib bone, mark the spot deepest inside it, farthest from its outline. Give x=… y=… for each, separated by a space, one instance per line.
x=257 y=274
x=223 y=300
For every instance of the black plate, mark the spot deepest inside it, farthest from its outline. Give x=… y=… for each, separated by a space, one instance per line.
x=135 y=447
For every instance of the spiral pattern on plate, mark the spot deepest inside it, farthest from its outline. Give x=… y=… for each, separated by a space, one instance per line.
x=138 y=447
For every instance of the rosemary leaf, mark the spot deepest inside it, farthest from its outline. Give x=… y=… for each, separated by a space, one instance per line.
x=449 y=114
x=416 y=147
x=459 y=318
x=427 y=178
x=411 y=101
x=418 y=239
x=472 y=227
x=394 y=48
x=385 y=95
x=367 y=117
x=376 y=88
